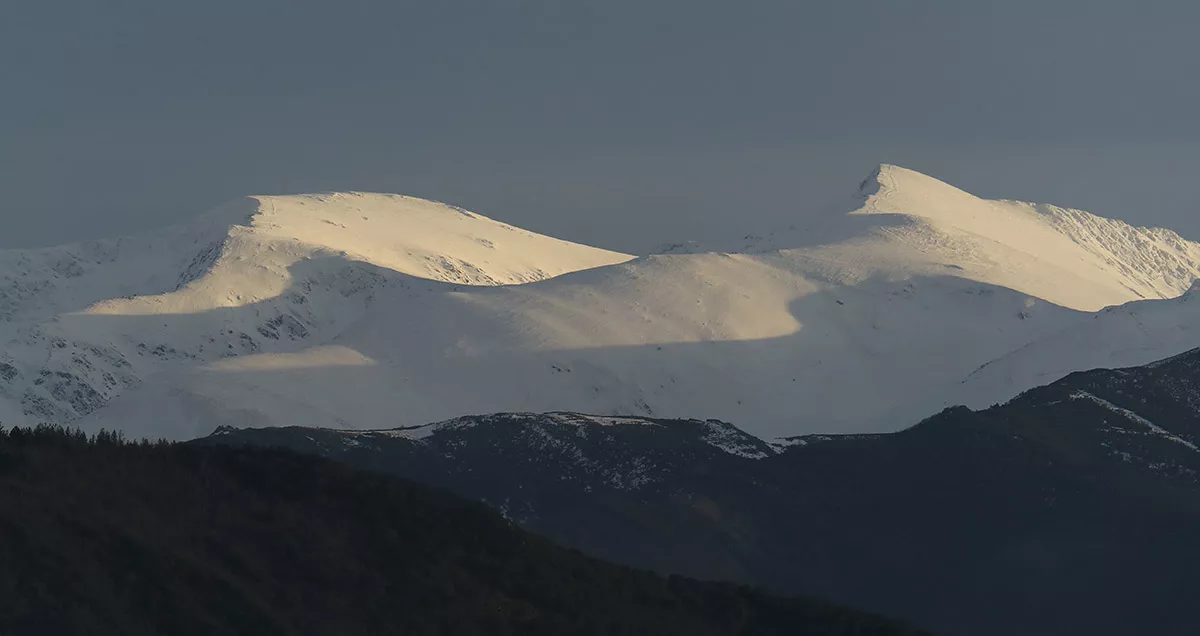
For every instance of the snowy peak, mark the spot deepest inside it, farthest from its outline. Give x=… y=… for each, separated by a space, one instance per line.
x=263 y=240
x=420 y=238
x=903 y=223
x=887 y=178
x=81 y=324
x=415 y=237
x=368 y=311
x=250 y=243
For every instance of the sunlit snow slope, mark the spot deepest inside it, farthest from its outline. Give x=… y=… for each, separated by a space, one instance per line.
x=81 y=324
x=369 y=311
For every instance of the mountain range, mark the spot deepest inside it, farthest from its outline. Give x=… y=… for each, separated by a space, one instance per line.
x=1071 y=509
x=366 y=311
x=898 y=403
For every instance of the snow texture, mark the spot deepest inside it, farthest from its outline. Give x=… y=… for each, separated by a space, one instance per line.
x=1134 y=417
x=370 y=311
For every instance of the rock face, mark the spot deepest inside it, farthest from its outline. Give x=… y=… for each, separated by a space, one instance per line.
x=1074 y=508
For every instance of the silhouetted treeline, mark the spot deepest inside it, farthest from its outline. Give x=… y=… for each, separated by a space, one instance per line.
x=102 y=536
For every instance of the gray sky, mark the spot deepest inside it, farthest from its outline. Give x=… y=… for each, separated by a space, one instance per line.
x=623 y=123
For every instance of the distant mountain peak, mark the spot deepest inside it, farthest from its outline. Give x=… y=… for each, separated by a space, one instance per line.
x=890 y=177
x=357 y=310
x=902 y=222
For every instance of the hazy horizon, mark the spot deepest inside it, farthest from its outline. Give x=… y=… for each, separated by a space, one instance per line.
x=621 y=125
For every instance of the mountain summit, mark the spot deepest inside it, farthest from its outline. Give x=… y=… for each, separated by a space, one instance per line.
x=354 y=310
x=906 y=222
x=85 y=322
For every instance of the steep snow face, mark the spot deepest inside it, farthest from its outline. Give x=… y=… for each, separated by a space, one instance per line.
x=357 y=311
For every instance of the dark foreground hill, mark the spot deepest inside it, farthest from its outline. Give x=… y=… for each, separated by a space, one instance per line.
x=101 y=537
x=1073 y=509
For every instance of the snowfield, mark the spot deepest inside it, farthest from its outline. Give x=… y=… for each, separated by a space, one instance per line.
x=366 y=311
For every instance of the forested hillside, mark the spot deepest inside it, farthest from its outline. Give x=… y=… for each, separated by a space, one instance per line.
x=103 y=537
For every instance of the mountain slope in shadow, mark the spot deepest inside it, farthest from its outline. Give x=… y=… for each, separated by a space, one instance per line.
x=1074 y=508
x=102 y=537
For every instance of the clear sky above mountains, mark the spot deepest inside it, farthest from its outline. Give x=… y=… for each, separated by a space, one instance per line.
x=619 y=123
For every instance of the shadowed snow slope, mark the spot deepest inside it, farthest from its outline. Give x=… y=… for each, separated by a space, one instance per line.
x=373 y=311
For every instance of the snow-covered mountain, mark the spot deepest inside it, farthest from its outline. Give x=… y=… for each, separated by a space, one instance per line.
x=372 y=311
x=81 y=324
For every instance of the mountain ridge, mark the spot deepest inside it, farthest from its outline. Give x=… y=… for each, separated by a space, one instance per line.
x=150 y=539
x=420 y=312
x=1072 y=508
x=1016 y=244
